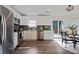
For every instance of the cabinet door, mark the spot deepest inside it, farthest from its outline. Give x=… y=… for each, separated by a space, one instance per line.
x=34 y=35
x=15 y=41
x=30 y=35
x=26 y=35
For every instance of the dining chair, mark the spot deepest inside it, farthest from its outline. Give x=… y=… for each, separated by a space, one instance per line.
x=76 y=40
x=67 y=39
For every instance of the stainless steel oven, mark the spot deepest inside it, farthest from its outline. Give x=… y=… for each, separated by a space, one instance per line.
x=16 y=24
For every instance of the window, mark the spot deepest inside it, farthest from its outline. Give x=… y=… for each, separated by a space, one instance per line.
x=32 y=23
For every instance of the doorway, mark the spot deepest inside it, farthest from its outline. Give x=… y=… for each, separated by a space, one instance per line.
x=57 y=27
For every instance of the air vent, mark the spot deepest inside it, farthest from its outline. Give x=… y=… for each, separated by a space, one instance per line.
x=43 y=15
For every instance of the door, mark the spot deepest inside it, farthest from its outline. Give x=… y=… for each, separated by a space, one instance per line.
x=2 y=30
x=57 y=25
x=1 y=33
x=8 y=30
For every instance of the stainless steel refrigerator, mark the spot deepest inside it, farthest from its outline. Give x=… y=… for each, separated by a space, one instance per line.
x=6 y=30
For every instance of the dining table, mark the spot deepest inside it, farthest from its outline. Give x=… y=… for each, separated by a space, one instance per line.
x=75 y=38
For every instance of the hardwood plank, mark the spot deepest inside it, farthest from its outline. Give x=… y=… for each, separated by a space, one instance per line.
x=40 y=47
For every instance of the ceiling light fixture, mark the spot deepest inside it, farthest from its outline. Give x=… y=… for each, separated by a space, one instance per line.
x=69 y=8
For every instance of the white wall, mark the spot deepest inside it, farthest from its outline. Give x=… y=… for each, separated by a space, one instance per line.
x=44 y=20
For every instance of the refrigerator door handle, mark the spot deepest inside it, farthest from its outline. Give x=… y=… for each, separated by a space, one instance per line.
x=3 y=23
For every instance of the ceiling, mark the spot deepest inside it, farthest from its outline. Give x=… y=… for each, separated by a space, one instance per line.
x=25 y=10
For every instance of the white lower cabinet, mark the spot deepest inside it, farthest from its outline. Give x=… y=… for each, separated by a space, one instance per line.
x=30 y=35
x=15 y=41
x=48 y=35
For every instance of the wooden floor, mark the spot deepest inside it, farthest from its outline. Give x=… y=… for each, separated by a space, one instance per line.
x=40 y=47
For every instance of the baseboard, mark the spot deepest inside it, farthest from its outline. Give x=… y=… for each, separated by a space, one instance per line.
x=38 y=40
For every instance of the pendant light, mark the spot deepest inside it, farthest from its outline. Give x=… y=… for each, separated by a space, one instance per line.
x=69 y=8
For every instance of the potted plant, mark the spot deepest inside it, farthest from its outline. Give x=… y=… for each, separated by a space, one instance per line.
x=73 y=28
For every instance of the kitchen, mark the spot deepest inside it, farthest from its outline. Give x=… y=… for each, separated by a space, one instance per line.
x=23 y=23
x=15 y=30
